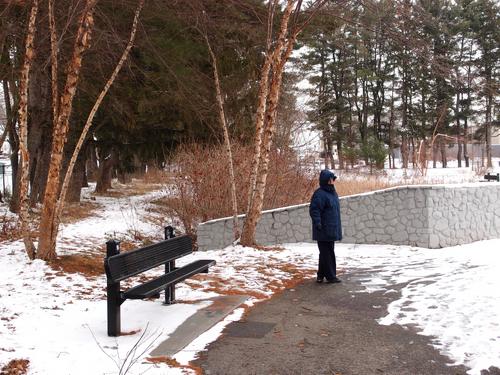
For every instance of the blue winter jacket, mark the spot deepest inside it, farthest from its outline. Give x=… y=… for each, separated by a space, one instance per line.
x=325 y=210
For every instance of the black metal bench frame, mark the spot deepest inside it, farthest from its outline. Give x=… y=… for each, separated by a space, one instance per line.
x=120 y=266
x=492 y=177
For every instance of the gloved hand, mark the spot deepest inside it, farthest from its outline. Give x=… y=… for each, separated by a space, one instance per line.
x=318 y=227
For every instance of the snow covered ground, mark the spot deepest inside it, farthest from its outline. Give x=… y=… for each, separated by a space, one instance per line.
x=58 y=321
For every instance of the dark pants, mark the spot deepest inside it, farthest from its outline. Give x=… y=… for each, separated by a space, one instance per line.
x=327 y=267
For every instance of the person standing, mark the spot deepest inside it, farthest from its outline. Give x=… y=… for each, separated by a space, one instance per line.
x=327 y=228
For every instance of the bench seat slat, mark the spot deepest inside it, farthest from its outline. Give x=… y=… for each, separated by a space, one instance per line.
x=155 y=286
x=131 y=263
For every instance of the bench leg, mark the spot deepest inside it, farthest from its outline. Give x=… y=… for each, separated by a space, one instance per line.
x=170 y=290
x=113 y=294
x=114 y=302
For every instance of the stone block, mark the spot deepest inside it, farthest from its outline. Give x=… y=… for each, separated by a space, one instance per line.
x=371 y=238
x=399 y=237
x=379 y=210
x=433 y=241
x=441 y=224
x=390 y=230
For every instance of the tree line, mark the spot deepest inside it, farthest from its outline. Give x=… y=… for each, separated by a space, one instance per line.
x=409 y=74
x=95 y=89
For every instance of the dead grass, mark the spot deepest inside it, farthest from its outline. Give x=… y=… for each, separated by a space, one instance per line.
x=362 y=185
x=74 y=212
x=136 y=187
x=155 y=176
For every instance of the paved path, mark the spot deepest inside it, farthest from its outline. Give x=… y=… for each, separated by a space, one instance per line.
x=323 y=329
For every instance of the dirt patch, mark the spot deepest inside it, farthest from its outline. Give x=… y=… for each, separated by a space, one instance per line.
x=15 y=367
x=173 y=363
x=89 y=266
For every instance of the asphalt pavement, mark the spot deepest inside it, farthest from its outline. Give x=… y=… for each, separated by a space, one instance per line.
x=323 y=329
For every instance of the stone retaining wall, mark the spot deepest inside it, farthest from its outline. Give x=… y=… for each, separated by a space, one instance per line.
x=431 y=216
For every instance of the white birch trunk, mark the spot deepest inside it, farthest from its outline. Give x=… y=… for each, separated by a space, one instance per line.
x=23 y=134
x=255 y=208
x=262 y=100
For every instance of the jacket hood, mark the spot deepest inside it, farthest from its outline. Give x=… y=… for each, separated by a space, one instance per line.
x=325 y=176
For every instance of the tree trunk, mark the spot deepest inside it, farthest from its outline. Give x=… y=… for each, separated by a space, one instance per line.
x=459 y=153
x=466 y=140
x=124 y=177
x=48 y=221
x=326 y=152
x=105 y=174
x=442 y=148
x=459 y=137
x=75 y=186
x=227 y=141
x=85 y=181
x=92 y=166
x=404 y=151
x=14 y=148
x=489 y=101
x=3 y=137
x=88 y=123
x=340 y=152
x=413 y=153
x=39 y=132
x=39 y=179
x=16 y=177
x=282 y=52
x=264 y=92
x=23 y=134
x=434 y=157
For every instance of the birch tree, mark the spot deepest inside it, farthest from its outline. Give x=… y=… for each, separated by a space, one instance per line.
x=23 y=132
x=277 y=54
x=48 y=229
x=62 y=108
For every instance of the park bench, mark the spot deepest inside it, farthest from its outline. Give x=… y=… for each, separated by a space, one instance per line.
x=120 y=266
x=492 y=177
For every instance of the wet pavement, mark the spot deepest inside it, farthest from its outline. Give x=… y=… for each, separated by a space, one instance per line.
x=323 y=329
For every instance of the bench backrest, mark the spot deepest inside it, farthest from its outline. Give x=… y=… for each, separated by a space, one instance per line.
x=490 y=176
x=121 y=266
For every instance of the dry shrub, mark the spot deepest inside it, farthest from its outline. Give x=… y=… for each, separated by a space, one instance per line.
x=9 y=228
x=154 y=175
x=202 y=185
x=15 y=367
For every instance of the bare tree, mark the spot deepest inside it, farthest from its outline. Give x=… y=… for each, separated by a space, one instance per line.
x=270 y=85
x=88 y=123
x=62 y=107
x=48 y=229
